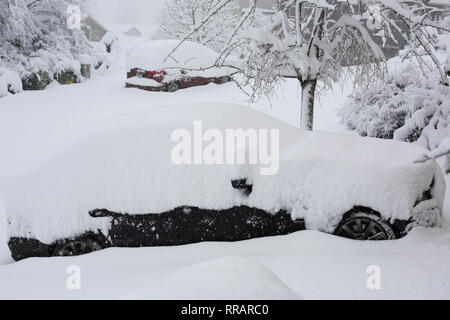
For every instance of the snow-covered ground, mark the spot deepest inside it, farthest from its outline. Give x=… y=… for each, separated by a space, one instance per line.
x=37 y=126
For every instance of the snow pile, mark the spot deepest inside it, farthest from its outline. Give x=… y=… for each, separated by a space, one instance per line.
x=109 y=55
x=129 y=169
x=144 y=82
x=9 y=82
x=221 y=279
x=3 y=87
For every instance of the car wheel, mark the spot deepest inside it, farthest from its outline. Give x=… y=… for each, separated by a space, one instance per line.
x=172 y=87
x=359 y=225
x=224 y=79
x=77 y=247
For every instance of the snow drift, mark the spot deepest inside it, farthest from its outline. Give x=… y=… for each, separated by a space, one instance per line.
x=221 y=279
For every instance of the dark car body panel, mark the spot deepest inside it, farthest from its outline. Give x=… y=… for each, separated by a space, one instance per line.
x=183 y=225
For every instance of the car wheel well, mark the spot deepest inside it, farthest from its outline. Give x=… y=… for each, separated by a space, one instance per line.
x=95 y=242
x=361 y=214
x=176 y=83
x=361 y=209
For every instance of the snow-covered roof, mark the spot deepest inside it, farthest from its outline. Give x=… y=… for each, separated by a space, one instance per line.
x=133 y=31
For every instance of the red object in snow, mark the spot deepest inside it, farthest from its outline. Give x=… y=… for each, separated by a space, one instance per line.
x=184 y=81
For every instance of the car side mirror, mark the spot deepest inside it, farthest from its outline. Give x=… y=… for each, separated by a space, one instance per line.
x=242 y=185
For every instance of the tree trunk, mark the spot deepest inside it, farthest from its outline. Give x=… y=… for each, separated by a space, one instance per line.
x=307 y=108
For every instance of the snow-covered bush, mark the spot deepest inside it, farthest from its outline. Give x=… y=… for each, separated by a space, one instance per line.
x=11 y=81
x=35 y=38
x=379 y=110
x=412 y=106
x=108 y=40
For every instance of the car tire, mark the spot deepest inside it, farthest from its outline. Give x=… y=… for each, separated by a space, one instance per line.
x=77 y=247
x=172 y=87
x=223 y=79
x=365 y=225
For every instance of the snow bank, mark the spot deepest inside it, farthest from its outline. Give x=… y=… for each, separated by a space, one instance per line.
x=221 y=279
x=3 y=88
x=9 y=81
x=129 y=169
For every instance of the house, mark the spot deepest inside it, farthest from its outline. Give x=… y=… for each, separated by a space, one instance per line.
x=93 y=30
x=133 y=32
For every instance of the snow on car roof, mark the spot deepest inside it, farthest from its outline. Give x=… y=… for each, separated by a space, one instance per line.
x=152 y=55
x=129 y=169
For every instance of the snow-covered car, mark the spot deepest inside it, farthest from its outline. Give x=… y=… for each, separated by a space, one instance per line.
x=121 y=188
x=152 y=66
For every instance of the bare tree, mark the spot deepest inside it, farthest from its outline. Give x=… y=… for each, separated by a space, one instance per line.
x=312 y=44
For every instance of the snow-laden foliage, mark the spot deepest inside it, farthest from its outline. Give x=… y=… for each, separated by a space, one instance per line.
x=34 y=36
x=9 y=82
x=380 y=109
x=412 y=106
x=313 y=43
x=185 y=19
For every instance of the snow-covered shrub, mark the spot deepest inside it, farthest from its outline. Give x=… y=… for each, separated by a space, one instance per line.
x=412 y=106
x=11 y=80
x=108 y=40
x=379 y=110
x=36 y=81
x=430 y=122
x=35 y=38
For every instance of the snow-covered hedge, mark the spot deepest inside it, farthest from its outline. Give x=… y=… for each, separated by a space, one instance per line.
x=381 y=110
x=34 y=37
x=413 y=105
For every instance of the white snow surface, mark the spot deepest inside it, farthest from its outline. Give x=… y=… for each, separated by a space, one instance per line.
x=227 y=278
x=314 y=265
x=129 y=169
x=156 y=55
x=144 y=82
x=3 y=88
